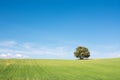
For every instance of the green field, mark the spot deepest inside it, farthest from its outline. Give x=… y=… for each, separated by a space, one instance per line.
x=28 y=69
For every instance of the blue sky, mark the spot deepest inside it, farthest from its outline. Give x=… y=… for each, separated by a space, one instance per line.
x=52 y=29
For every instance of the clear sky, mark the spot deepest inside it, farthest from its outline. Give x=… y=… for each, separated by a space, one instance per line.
x=52 y=29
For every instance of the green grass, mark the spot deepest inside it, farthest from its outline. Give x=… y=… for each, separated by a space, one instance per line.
x=23 y=69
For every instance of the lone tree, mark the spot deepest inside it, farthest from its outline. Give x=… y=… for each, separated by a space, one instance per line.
x=82 y=52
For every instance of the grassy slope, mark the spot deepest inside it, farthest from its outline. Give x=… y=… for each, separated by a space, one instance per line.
x=104 y=69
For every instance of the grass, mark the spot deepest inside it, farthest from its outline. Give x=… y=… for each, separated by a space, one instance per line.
x=26 y=69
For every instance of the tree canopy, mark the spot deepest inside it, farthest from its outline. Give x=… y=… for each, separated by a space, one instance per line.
x=82 y=52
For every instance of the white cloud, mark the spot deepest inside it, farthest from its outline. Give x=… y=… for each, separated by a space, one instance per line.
x=3 y=55
x=27 y=45
x=10 y=55
x=8 y=43
x=13 y=49
x=22 y=50
x=105 y=51
x=118 y=55
x=20 y=56
x=56 y=51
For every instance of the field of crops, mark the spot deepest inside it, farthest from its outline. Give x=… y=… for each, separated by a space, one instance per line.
x=28 y=69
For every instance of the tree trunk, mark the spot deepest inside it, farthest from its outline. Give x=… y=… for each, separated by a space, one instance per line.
x=81 y=57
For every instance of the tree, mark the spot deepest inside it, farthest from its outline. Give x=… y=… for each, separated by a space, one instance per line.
x=82 y=52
